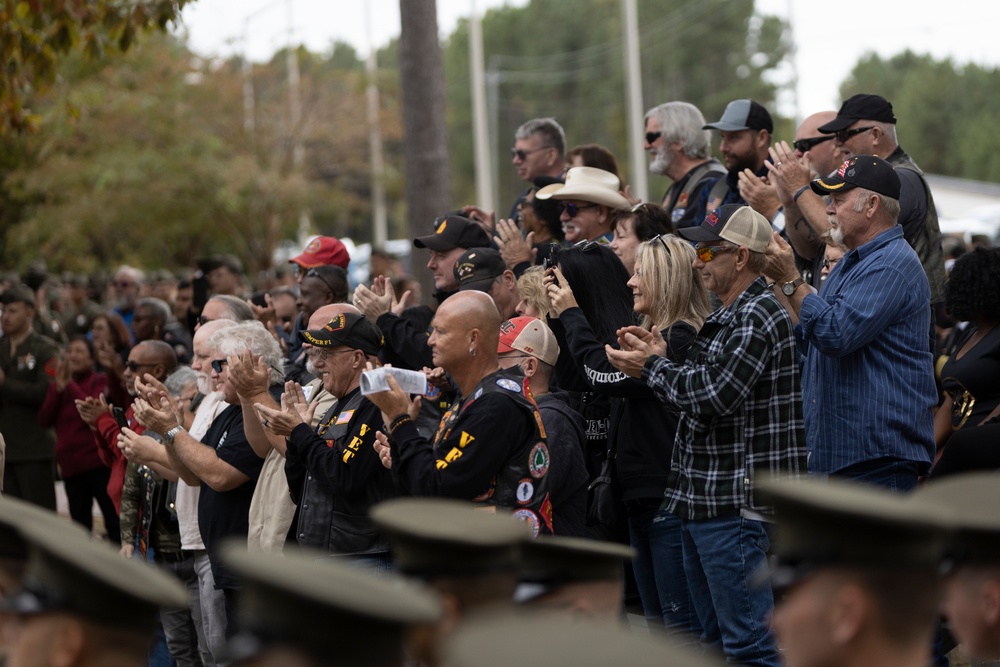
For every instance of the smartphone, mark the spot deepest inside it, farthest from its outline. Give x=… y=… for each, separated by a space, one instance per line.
x=119 y=416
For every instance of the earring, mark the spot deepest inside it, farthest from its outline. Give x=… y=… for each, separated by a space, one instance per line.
x=472 y=351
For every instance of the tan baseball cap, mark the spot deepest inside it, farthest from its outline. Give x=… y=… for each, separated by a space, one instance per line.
x=531 y=336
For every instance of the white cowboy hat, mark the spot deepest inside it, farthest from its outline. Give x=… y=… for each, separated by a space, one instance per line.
x=590 y=185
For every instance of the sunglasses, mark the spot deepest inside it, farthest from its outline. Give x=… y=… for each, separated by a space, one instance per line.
x=134 y=366
x=522 y=154
x=663 y=243
x=217 y=364
x=653 y=136
x=708 y=253
x=806 y=145
x=572 y=209
x=202 y=320
x=844 y=135
x=830 y=263
x=313 y=273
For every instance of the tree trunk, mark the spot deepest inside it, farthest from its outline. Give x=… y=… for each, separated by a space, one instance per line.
x=421 y=71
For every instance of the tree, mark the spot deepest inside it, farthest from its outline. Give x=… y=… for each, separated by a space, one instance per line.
x=35 y=34
x=428 y=188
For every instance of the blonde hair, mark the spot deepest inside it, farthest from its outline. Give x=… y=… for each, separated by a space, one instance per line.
x=666 y=272
x=532 y=291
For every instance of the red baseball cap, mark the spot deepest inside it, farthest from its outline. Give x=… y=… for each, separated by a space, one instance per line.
x=323 y=251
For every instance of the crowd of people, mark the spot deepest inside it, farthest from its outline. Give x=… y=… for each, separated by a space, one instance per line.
x=758 y=411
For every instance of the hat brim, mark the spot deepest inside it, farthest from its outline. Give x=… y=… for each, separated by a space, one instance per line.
x=301 y=261
x=479 y=284
x=317 y=338
x=725 y=127
x=585 y=193
x=433 y=242
x=830 y=184
x=698 y=234
x=837 y=124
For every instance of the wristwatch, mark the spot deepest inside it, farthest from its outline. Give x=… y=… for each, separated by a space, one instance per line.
x=788 y=289
x=168 y=437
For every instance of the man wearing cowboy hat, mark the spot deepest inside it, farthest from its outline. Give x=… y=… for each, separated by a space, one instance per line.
x=588 y=198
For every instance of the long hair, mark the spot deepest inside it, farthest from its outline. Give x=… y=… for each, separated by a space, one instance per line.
x=664 y=265
x=119 y=330
x=598 y=279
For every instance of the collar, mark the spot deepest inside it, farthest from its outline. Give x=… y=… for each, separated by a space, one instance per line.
x=861 y=252
x=753 y=290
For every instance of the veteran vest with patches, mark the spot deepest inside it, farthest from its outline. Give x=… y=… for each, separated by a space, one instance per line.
x=333 y=521
x=522 y=485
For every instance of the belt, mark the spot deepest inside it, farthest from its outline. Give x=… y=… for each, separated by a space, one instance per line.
x=643 y=503
x=172 y=556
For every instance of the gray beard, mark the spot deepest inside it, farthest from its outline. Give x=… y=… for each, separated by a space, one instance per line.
x=837 y=236
x=661 y=163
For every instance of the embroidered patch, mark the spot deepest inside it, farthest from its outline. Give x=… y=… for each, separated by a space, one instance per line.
x=344 y=417
x=509 y=385
x=525 y=491
x=313 y=247
x=337 y=323
x=432 y=392
x=441 y=227
x=538 y=460
x=488 y=493
x=530 y=519
x=546 y=511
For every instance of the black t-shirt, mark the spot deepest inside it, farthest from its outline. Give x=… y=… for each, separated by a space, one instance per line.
x=225 y=514
x=973 y=380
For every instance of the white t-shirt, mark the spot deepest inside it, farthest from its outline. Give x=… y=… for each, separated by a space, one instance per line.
x=186 y=503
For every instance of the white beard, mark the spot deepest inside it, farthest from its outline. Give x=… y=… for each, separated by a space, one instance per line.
x=837 y=236
x=662 y=161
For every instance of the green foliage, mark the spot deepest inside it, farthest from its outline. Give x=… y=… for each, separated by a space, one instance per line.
x=945 y=112
x=156 y=168
x=35 y=34
x=565 y=60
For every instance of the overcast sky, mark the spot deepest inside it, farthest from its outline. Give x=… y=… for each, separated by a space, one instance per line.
x=830 y=37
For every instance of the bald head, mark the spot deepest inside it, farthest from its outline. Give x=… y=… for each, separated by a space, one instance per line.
x=206 y=330
x=158 y=353
x=823 y=157
x=476 y=309
x=324 y=314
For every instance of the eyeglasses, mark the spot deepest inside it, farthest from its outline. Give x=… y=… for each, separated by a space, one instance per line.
x=313 y=273
x=830 y=263
x=202 y=320
x=522 y=154
x=572 y=209
x=806 y=145
x=653 y=136
x=844 y=135
x=134 y=365
x=217 y=364
x=708 y=253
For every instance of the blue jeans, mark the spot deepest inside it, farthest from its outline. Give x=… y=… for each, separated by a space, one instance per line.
x=892 y=474
x=721 y=558
x=655 y=535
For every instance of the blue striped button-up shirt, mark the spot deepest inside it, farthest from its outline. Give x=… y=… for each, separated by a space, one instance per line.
x=868 y=383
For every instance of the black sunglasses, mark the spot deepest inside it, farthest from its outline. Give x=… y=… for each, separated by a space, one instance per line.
x=522 y=154
x=844 y=135
x=217 y=364
x=806 y=145
x=133 y=366
x=653 y=136
x=313 y=273
x=572 y=209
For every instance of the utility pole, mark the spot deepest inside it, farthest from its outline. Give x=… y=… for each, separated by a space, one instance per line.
x=633 y=93
x=379 y=215
x=480 y=122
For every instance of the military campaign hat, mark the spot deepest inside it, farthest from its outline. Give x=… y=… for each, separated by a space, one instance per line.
x=13 y=514
x=18 y=293
x=548 y=562
x=70 y=572
x=328 y=609
x=831 y=522
x=531 y=640
x=454 y=231
x=433 y=537
x=970 y=502
x=349 y=329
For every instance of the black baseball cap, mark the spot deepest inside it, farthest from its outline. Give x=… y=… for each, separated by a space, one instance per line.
x=455 y=231
x=477 y=268
x=743 y=115
x=860 y=171
x=860 y=107
x=349 y=329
